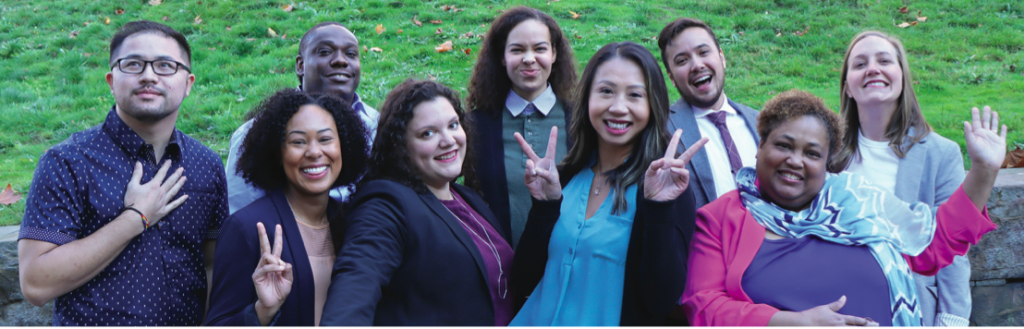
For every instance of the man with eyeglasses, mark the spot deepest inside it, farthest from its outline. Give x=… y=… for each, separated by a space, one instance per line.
x=113 y=229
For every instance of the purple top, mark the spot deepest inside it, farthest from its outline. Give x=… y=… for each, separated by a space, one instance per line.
x=799 y=274
x=496 y=252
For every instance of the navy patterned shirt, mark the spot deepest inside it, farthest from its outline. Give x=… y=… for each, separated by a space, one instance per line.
x=159 y=278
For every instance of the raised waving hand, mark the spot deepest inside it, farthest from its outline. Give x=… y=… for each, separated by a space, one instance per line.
x=273 y=277
x=542 y=173
x=985 y=145
x=667 y=178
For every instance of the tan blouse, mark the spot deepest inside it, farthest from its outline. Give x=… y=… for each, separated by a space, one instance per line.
x=320 y=248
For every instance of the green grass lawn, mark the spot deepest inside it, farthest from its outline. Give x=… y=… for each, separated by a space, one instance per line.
x=53 y=55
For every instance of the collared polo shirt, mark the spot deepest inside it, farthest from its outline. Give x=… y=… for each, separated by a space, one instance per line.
x=159 y=278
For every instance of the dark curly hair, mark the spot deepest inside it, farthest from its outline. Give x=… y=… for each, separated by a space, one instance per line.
x=389 y=158
x=794 y=104
x=489 y=86
x=261 y=164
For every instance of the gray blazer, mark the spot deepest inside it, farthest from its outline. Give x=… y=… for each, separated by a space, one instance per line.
x=681 y=117
x=931 y=172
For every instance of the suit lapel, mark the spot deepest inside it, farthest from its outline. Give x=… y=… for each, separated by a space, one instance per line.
x=908 y=173
x=296 y=251
x=460 y=233
x=681 y=117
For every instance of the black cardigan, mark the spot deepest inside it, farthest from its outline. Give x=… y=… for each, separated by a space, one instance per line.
x=490 y=161
x=655 y=260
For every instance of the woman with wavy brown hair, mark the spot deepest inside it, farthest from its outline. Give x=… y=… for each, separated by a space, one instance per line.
x=521 y=83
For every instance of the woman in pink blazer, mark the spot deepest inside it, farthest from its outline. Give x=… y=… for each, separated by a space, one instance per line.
x=796 y=245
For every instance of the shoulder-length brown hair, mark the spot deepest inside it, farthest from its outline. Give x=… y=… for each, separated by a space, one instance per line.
x=907 y=115
x=489 y=86
x=652 y=141
x=389 y=158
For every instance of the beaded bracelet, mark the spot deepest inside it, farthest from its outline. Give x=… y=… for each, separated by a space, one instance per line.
x=145 y=221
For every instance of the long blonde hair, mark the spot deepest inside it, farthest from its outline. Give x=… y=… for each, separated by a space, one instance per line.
x=907 y=114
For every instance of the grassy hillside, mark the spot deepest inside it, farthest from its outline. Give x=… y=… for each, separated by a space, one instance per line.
x=53 y=54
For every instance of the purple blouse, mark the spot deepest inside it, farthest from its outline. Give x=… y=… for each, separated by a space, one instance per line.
x=496 y=252
x=799 y=274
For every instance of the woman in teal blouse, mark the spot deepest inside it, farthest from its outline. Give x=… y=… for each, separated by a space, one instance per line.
x=595 y=250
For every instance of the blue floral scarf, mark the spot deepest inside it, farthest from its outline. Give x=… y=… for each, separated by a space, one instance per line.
x=851 y=211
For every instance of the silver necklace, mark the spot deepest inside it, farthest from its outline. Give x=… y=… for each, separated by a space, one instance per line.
x=502 y=288
x=601 y=181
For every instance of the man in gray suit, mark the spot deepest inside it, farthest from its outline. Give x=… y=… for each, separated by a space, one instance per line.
x=696 y=65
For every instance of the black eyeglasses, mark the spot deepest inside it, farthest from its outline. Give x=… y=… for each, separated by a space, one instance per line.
x=160 y=66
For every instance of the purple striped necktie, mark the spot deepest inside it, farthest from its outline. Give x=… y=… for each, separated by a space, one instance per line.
x=718 y=118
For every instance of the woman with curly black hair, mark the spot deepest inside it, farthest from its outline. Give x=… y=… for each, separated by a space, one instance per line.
x=296 y=149
x=521 y=83
x=418 y=248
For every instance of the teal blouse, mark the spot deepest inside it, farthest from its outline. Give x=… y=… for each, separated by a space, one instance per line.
x=585 y=272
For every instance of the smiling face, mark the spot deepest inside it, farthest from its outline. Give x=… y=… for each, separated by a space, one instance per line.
x=528 y=58
x=618 y=103
x=330 y=62
x=874 y=76
x=146 y=96
x=697 y=68
x=311 y=152
x=436 y=142
x=791 y=162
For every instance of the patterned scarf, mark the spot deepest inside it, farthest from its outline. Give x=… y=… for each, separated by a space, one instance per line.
x=851 y=211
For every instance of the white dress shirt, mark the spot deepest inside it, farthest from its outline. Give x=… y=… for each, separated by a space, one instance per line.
x=545 y=102
x=241 y=194
x=876 y=161
x=718 y=157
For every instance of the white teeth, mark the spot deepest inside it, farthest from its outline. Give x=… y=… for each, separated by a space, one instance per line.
x=618 y=126
x=877 y=83
x=446 y=157
x=315 y=170
x=705 y=78
x=790 y=176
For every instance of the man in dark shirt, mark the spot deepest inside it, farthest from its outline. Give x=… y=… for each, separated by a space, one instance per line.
x=113 y=229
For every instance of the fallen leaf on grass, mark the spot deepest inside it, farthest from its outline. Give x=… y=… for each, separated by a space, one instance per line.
x=468 y=34
x=87 y=54
x=1014 y=159
x=577 y=36
x=106 y=20
x=778 y=34
x=271 y=33
x=435 y=22
x=431 y=77
x=446 y=7
x=399 y=31
x=380 y=28
x=920 y=18
x=119 y=11
x=165 y=18
x=466 y=51
x=574 y=15
x=903 y=10
x=155 y=2
x=444 y=47
x=801 y=33
x=86 y=23
x=741 y=33
x=228 y=27
x=416 y=21
x=438 y=31
x=197 y=20
x=376 y=50
x=9 y=196
x=905 y=24
x=73 y=35
x=365 y=49
x=287 y=8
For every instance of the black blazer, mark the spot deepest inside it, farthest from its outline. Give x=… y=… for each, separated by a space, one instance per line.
x=490 y=161
x=238 y=252
x=655 y=259
x=406 y=260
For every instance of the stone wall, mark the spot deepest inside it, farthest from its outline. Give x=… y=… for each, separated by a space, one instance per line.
x=997 y=262
x=14 y=309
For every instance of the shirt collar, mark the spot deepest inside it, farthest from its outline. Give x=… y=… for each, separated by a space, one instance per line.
x=544 y=103
x=131 y=142
x=699 y=112
x=357 y=102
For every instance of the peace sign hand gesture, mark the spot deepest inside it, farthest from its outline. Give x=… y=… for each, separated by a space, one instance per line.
x=542 y=174
x=273 y=277
x=667 y=177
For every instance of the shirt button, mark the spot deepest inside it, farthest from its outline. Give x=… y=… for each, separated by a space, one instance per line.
x=160 y=225
x=530 y=133
x=529 y=120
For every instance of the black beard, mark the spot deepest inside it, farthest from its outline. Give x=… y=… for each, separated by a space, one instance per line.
x=147 y=116
x=700 y=103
